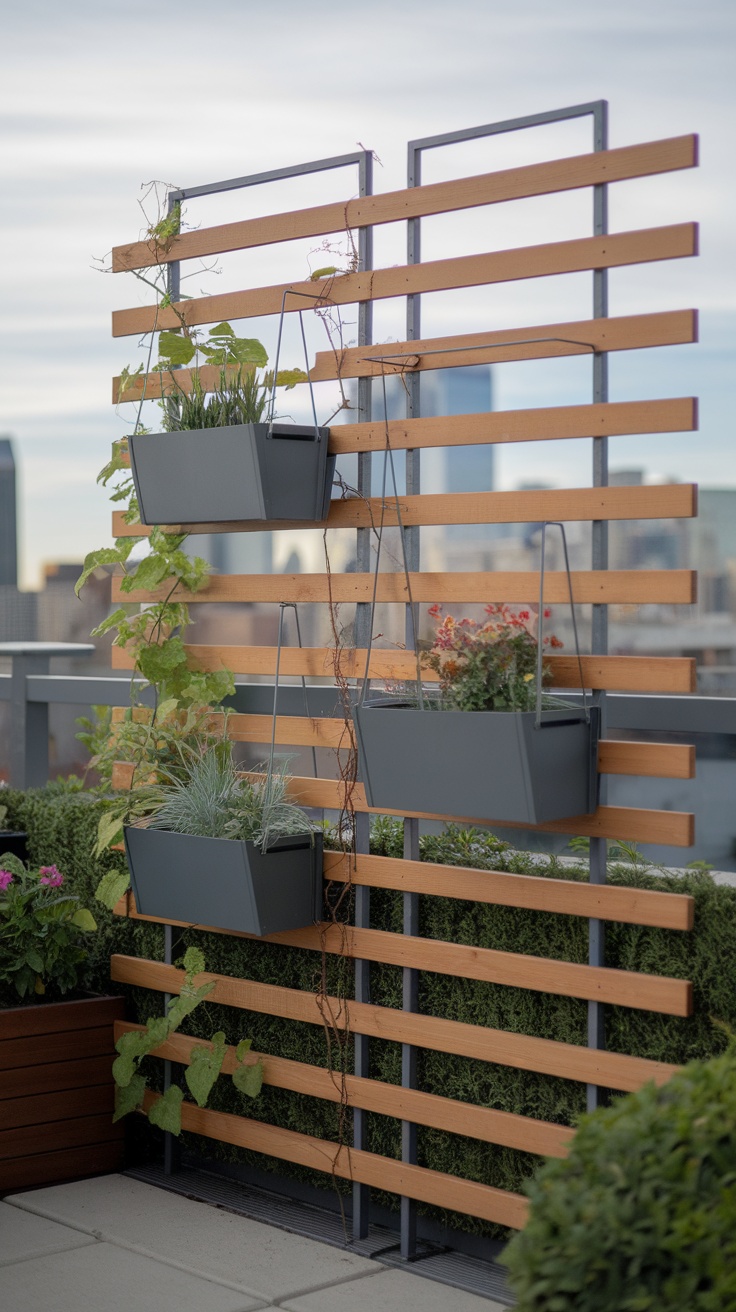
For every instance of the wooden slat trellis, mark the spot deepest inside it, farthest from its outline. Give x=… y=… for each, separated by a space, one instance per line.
x=598 y=587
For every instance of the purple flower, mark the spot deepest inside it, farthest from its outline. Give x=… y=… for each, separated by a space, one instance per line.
x=5 y=879
x=50 y=875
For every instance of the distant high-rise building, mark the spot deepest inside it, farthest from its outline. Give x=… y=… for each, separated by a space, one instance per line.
x=8 y=517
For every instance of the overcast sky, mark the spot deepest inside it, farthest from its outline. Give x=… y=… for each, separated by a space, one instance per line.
x=97 y=98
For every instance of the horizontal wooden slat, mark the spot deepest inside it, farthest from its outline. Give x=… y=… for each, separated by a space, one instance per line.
x=602 y=587
x=484 y=1123
x=622 y=988
x=436 y=198
x=673 y=241
x=674 y=415
x=634 y=906
x=660 y=760
x=632 y=824
x=623 y=673
x=355 y=1164
x=663 y=760
x=545 y=1056
x=663 y=501
x=538 y=342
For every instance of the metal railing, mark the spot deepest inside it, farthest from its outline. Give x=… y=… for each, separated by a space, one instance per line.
x=31 y=688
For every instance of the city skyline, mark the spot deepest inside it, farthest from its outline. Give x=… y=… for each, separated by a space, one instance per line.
x=85 y=124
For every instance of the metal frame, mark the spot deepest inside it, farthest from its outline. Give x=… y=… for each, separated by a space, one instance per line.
x=30 y=686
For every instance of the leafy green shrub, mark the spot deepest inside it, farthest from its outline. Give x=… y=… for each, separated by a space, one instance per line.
x=642 y=1214
x=42 y=930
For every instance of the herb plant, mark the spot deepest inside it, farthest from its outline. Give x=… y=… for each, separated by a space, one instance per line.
x=42 y=930
x=206 y=1061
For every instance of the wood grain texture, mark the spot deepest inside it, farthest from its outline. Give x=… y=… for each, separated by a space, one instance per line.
x=622 y=673
x=631 y=824
x=661 y=760
x=632 y=906
x=483 y=1123
x=673 y=241
x=602 y=587
x=545 y=1056
x=664 y=501
x=537 y=342
x=355 y=1164
x=498 y=346
x=437 y=198
x=644 y=992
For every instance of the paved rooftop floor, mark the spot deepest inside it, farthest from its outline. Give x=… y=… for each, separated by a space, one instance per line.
x=115 y=1244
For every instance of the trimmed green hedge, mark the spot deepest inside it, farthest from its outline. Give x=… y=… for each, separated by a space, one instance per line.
x=62 y=829
x=642 y=1214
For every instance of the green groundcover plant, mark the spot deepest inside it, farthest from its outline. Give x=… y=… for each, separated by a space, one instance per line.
x=42 y=931
x=642 y=1214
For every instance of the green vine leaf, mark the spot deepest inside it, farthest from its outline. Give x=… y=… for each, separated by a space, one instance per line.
x=93 y=559
x=166 y=1111
x=205 y=1066
x=129 y=1096
x=109 y=830
x=248 y=1079
x=174 y=349
x=84 y=920
x=111 y=888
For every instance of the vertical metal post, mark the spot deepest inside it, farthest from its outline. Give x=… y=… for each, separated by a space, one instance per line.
x=29 y=724
x=599 y=636
x=29 y=718
x=410 y=977
x=171 y=1146
x=361 y=1192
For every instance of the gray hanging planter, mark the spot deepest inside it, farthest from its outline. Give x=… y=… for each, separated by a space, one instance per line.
x=486 y=765
x=244 y=472
x=226 y=883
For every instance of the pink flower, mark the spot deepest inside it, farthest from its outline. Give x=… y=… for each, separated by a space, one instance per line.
x=5 y=879
x=50 y=875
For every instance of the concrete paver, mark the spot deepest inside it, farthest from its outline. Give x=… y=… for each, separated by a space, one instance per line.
x=389 y=1291
x=259 y=1259
x=103 y=1278
x=114 y=1244
x=23 y=1236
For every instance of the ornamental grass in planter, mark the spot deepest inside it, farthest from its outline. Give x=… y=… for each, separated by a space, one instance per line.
x=225 y=851
x=56 y=1090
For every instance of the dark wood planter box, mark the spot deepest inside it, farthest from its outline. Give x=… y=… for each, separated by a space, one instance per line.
x=243 y=473
x=224 y=883
x=56 y=1092
x=483 y=765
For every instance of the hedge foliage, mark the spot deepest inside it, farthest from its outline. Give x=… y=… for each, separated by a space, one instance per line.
x=62 y=829
x=642 y=1214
